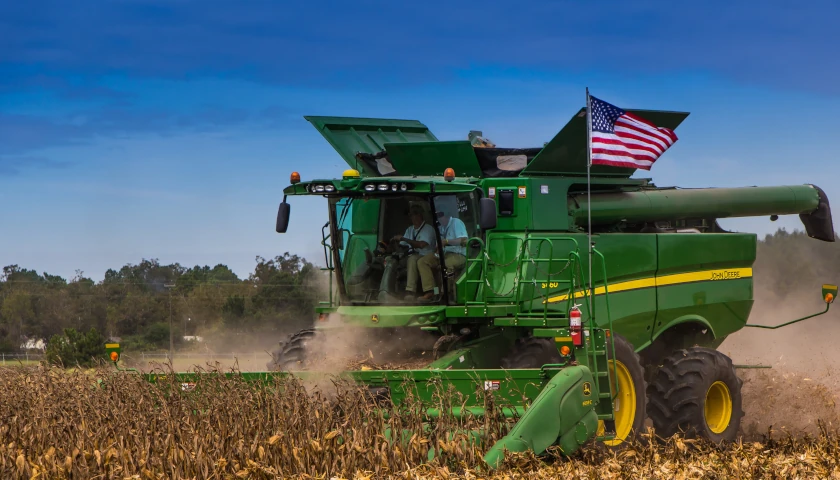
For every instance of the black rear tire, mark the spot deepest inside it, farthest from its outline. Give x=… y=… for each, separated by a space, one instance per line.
x=531 y=352
x=689 y=382
x=292 y=353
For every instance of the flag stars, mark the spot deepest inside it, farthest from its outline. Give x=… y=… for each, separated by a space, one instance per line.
x=604 y=115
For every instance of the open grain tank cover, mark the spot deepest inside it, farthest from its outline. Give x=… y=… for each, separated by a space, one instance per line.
x=565 y=154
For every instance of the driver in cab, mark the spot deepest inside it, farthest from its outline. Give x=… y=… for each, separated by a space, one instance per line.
x=420 y=237
x=454 y=236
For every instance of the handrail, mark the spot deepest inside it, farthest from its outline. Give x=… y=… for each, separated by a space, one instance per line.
x=534 y=279
x=609 y=314
x=539 y=258
x=328 y=257
x=480 y=257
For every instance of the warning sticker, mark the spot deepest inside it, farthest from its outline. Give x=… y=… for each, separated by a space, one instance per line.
x=491 y=385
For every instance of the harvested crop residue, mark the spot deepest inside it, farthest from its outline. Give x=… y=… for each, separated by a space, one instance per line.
x=107 y=424
x=802 y=388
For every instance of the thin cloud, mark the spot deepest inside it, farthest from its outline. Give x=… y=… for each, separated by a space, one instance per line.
x=15 y=165
x=20 y=134
x=356 y=44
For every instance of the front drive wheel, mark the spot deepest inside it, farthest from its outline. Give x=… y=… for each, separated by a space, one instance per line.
x=630 y=402
x=292 y=353
x=696 y=391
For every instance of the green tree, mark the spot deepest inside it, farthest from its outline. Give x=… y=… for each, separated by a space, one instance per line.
x=73 y=348
x=132 y=303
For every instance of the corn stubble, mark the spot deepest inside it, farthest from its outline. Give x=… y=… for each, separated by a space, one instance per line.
x=106 y=424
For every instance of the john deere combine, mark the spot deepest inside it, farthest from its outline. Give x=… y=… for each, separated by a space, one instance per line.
x=486 y=250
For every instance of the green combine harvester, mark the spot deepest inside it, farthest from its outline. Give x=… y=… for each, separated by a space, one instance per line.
x=485 y=251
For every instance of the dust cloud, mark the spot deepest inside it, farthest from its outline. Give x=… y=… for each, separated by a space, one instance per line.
x=803 y=385
x=342 y=345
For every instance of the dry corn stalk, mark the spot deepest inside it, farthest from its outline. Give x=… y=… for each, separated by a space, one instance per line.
x=57 y=424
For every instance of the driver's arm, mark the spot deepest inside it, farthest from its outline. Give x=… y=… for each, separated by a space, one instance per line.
x=460 y=233
x=413 y=243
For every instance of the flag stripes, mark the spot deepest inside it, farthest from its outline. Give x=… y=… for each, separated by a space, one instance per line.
x=622 y=139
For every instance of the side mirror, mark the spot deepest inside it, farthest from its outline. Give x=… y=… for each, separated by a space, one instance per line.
x=829 y=293
x=283 y=217
x=487 y=213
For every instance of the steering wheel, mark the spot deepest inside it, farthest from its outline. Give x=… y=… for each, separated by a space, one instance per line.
x=394 y=248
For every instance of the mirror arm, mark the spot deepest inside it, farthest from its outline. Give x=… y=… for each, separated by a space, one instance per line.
x=829 y=292
x=827 y=305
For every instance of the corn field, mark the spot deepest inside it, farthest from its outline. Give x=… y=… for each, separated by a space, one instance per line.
x=101 y=423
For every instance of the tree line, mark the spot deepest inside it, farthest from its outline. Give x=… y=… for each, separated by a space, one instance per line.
x=134 y=304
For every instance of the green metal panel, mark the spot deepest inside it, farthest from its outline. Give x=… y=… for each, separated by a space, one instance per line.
x=520 y=219
x=721 y=304
x=682 y=252
x=433 y=158
x=382 y=316
x=565 y=154
x=707 y=276
x=350 y=135
x=546 y=196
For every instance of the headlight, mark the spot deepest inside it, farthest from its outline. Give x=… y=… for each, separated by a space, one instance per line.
x=329 y=188
x=383 y=187
x=370 y=187
x=319 y=188
x=394 y=187
x=403 y=187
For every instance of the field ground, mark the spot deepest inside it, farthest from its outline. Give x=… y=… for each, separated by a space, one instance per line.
x=117 y=432
x=130 y=428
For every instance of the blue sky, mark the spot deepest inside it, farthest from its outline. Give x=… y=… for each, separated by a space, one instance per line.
x=168 y=130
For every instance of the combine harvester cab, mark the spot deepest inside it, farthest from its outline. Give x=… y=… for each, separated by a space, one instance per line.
x=585 y=344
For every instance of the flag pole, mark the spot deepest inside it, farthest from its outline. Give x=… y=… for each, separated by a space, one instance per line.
x=589 y=191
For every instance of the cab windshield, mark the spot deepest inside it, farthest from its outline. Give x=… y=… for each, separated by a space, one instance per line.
x=386 y=248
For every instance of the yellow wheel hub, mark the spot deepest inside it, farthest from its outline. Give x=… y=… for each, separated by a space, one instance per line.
x=624 y=405
x=718 y=407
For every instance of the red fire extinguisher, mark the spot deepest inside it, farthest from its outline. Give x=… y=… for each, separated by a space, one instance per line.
x=575 y=327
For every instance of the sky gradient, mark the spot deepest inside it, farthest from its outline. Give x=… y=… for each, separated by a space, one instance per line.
x=167 y=130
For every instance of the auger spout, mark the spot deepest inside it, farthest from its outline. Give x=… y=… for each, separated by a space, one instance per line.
x=807 y=201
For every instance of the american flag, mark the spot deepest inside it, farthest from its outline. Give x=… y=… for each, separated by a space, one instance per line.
x=621 y=139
